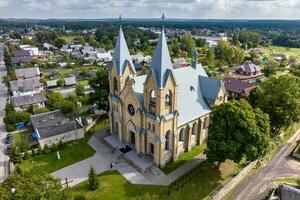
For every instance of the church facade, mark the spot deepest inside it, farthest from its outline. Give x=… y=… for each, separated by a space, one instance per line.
x=166 y=112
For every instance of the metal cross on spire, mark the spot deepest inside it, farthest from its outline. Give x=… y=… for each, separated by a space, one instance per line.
x=120 y=19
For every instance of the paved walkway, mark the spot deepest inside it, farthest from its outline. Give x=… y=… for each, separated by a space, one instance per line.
x=281 y=165
x=101 y=160
x=3 y=97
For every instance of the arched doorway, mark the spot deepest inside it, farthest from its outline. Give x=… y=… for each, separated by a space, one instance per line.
x=131 y=133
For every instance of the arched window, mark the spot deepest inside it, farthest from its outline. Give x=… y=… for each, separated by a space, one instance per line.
x=181 y=135
x=149 y=126
x=152 y=98
x=168 y=98
x=167 y=143
x=115 y=85
x=153 y=127
x=205 y=123
x=194 y=129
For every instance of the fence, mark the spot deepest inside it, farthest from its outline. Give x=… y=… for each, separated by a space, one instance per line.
x=233 y=182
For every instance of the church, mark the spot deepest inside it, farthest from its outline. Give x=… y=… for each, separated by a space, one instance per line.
x=167 y=111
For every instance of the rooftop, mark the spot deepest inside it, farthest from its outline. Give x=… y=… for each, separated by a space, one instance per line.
x=47 y=119
x=28 y=100
x=28 y=72
x=25 y=85
x=50 y=131
x=237 y=86
x=70 y=81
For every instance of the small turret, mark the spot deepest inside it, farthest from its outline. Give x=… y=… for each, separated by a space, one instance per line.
x=194 y=59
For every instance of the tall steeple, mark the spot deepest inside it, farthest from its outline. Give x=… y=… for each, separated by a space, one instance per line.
x=161 y=64
x=121 y=55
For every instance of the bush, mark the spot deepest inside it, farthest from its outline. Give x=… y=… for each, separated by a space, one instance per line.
x=17 y=117
x=54 y=147
x=26 y=155
x=93 y=180
x=15 y=155
x=32 y=152
x=10 y=127
x=40 y=151
x=79 y=198
x=60 y=144
x=46 y=149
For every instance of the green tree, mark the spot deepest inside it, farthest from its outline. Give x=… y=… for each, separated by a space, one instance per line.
x=100 y=85
x=53 y=98
x=66 y=106
x=280 y=98
x=59 y=42
x=7 y=58
x=33 y=186
x=188 y=43
x=93 y=180
x=80 y=90
x=237 y=132
x=60 y=83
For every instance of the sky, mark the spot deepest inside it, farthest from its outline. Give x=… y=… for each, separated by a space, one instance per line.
x=188 y=9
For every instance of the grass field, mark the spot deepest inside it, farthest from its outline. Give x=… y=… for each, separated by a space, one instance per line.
x=114 y=186
x=284 y=50
x=183 y=158
x=72 y=152
x=84 y=82
x=20 y=137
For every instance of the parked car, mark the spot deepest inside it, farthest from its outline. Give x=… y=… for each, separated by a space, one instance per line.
x=8 y=149
x=9 y=138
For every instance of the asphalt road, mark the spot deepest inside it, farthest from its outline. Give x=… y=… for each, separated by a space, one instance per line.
x=3 y=97
x=281 y=165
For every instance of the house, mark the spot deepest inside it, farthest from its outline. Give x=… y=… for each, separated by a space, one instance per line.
x=54 y=74
x=164 y=113
x=25 y=87
x=32 y=72
x=70 y=81
x=52 y=83
x=47 y=46
x=238 y=89
x=34 y=50
x=23 y=102
x=248 y=69
x=104 y=57
x=280 y=57
x=285 y=192
x=21 y=56
x=52 y=127
x=212 y=42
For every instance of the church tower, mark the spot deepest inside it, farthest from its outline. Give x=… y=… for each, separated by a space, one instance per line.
x=122 y=68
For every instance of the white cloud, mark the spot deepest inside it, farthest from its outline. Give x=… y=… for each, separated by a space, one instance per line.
x=255 y=9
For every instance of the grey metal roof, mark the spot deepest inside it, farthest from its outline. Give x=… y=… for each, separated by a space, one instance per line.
x=161 y=64
x=190 y=101
x=28 y=72
x=21 y=53
x=249 y=67
x=58 y=129
x=25 y=85
x=289 y=193
x=28 y=100
x=138 y=88
x=70 y=80
x=51 y=83
x=21 y=59
x=47 y=119
x=210 y=87
x=121 y=57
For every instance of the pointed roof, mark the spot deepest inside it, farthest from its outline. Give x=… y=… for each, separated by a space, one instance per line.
x=161 y=64
x=121 y=55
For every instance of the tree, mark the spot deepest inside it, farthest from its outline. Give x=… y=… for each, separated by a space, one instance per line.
x=60 y=83
x=188 y=42
x=237 y=132
x=93 y=180
x=59 y=42
x=200 y=42
x=66 y=106
x=54 y=98
x=7 y=58
x=280 y=98
x=100 y=85
x=80 y=90
x=33 y=186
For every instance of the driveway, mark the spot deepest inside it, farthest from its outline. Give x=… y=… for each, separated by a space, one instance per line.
x=281 y=165
x=3 y=97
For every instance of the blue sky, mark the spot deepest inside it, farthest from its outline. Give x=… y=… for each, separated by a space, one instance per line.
x=92 y=9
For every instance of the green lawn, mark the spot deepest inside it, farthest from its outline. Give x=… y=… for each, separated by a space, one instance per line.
x=84 y=82
x=71 y=153
x=183 y=158
x=277 y=49
x=21 y=137
x=114 y=186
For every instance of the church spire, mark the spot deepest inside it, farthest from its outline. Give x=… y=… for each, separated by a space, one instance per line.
x=161 y=63
x=121 y=55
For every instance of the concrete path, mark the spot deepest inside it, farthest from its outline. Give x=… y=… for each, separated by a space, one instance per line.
x=101 y=160
x=281 y=165
x=4 y=159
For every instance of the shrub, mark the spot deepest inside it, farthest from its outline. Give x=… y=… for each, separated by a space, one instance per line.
x=46 y=149
x=79 y=198
x=32 y=152
x=15 y=155
x=10 y=127
x=26 y=155
x=60 y=144
x=17 y=117
x=54 y=147
x=93 y=180
x=40 y=151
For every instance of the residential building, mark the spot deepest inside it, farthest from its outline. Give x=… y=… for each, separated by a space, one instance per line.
x=23 y=102
x=248 y=69
x=52 y=127
x=21 y=56
x=166 y=112
x=70 y=81
x=24 y=87
x=32 y=72
x=238 y=89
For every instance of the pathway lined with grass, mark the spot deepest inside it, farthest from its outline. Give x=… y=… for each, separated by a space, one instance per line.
x=72 y=152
